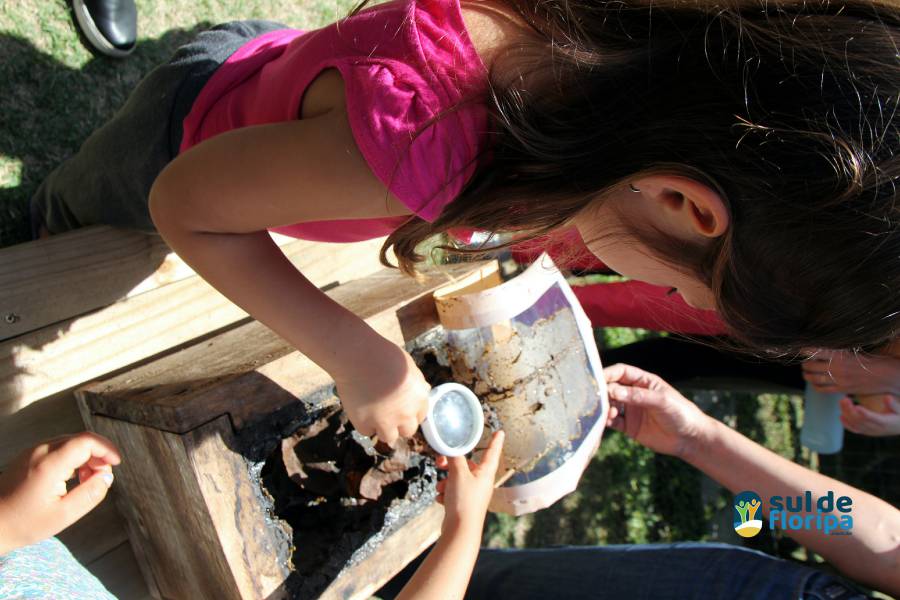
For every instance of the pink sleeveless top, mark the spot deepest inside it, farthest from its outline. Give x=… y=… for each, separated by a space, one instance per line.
x=403 y=63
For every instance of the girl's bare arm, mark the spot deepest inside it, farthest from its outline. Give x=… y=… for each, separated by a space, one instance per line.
x=213 y=204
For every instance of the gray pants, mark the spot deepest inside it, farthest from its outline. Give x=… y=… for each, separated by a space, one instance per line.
x=108 y=181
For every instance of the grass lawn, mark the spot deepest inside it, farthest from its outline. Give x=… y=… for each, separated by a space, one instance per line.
x=55 y=92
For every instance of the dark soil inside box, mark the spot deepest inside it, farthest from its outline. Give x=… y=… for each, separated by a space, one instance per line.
x=335 y=493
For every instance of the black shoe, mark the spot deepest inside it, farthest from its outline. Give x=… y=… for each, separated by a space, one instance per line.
x=109 y=25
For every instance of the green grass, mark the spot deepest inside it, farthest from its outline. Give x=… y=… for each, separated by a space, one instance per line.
x=55 y=92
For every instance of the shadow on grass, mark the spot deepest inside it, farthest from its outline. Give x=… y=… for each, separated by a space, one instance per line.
x=48 y=109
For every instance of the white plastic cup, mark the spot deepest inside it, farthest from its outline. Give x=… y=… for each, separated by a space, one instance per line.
x=822 y=429
x=455 y=421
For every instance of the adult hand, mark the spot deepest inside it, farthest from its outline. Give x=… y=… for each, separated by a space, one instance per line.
x=859 y=419
x=836 y=371
x=386 y=396
x=652 y=412
x=34 y=503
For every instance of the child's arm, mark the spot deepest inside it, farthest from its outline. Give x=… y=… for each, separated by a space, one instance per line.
x=34 y=503
x=213 y=205
x=652 y=412
x=465 y=495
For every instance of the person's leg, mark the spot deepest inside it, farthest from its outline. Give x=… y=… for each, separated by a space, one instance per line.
x=47 y=570
x=678 y=360
x=108 y=181
x=640 y=572
x=677 y=571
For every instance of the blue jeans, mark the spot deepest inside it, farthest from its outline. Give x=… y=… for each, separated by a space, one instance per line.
x=652 y=571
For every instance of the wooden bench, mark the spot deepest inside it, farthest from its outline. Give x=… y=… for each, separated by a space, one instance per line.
x=88 y=304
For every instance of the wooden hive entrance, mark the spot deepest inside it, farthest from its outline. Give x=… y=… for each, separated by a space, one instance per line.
x=202 y=434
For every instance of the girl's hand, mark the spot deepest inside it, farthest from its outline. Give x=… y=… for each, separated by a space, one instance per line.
x=835 y=371
x=652 y=412
x=860 y=419
x=467 y=490
x=34 y=503
x=384 y=394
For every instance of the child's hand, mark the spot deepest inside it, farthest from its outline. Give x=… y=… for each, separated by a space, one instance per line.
x=467 y=490
x=386 y=394
x=34 y=504
x=652 y=412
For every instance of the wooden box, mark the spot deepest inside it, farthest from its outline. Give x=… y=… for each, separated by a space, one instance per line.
x=186 y=488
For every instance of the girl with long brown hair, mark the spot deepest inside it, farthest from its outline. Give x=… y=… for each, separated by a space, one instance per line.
x=743 y=152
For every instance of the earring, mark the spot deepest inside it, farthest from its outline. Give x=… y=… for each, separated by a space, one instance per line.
x=632 y=188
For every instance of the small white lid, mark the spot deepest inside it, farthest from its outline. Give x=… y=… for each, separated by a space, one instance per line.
x=430 y=431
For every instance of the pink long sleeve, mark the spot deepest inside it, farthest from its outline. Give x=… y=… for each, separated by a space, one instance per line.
x=627 y=304
x=639 y=304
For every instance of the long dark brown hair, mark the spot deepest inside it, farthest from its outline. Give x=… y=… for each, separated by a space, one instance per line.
x=787 y=108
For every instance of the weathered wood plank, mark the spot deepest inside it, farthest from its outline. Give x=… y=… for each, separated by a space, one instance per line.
x=60 y=356
x=118 y=570
x=98 y=532
x=250 y=547
x=63 y=276
x=249 y=371
x=389 y=558
x=50 y=417
x=169 y=525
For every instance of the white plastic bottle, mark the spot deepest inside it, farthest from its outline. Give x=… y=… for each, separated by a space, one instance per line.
x=822 y=430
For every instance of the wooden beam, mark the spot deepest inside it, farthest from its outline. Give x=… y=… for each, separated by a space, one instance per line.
x=168 y=522
x=45 y=419
x=250 y=370
x=95 y=534
x=64 y=355
x=363 y=579
x=118 y=570
x=50 y=280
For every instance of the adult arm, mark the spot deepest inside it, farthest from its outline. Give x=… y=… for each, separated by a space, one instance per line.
x=652 y=412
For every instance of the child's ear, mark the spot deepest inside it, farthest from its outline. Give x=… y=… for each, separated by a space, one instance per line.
x=694 y=207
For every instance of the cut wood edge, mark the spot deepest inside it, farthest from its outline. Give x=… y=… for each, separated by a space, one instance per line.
x=64 y=276
x=389 y=558
x=180 y=391
x=44 y=362
x=119 y=572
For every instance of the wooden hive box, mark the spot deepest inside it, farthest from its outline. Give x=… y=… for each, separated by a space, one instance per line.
x=185 y=487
